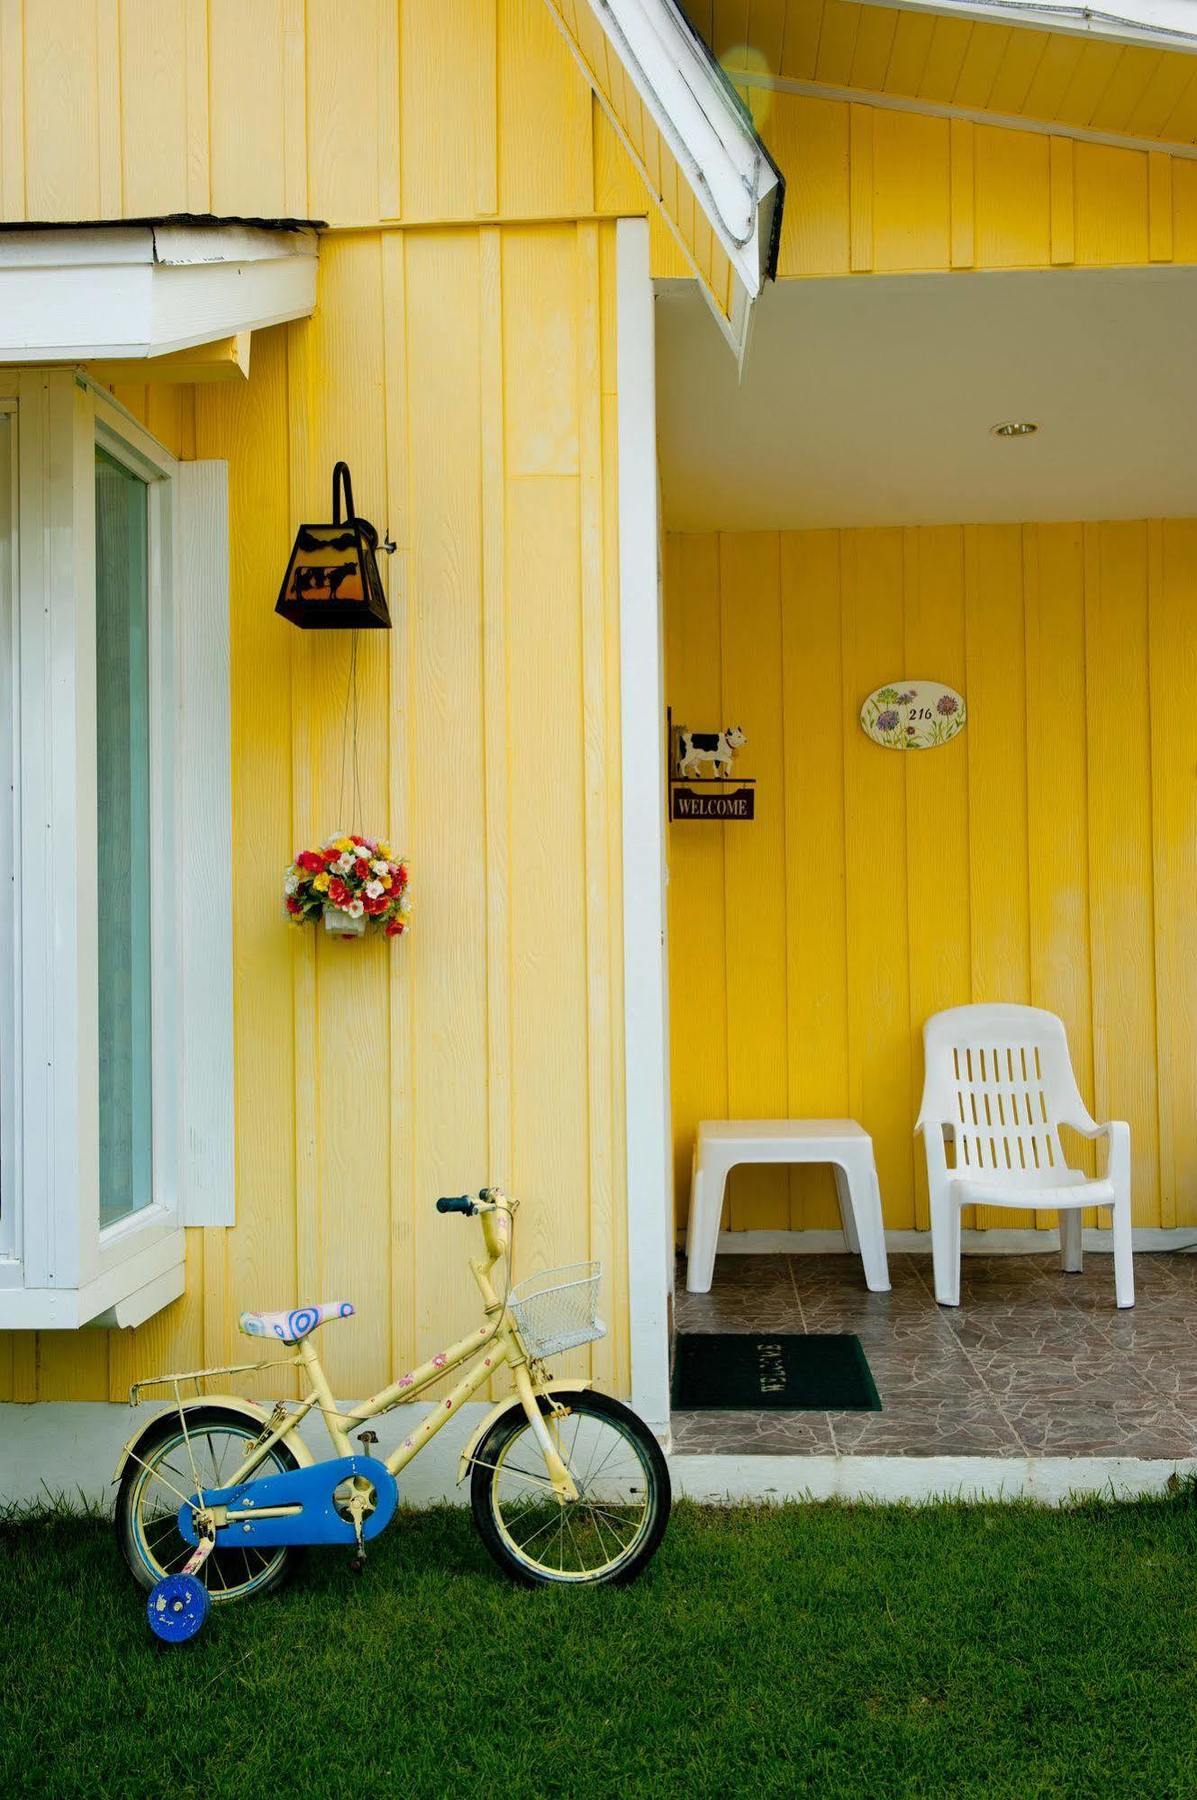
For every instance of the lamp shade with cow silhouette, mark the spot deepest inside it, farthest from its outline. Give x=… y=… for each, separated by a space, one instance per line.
x=332 y=580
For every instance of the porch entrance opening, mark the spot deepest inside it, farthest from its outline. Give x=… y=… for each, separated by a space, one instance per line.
x=842 y=520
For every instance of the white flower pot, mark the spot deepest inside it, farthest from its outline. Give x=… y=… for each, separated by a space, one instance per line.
x=341 y=924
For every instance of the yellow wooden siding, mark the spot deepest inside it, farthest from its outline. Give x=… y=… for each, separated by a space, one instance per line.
x=468 y=376
x=347 y=110
x=869 y=190
x=1046 y=855
x=1060 y=78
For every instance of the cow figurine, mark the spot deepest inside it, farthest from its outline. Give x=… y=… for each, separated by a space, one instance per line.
x=694 y=748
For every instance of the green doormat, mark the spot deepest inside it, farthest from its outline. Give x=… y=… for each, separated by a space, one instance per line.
x=731 y=1371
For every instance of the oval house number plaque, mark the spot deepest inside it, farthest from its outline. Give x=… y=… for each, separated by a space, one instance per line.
x=913 y=715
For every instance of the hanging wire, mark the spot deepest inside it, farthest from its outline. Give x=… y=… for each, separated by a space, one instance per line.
x=349 y=741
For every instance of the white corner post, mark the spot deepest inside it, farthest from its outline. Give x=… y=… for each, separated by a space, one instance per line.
x=646 y=1020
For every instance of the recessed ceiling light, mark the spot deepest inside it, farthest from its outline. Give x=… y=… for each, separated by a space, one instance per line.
x=1014 y=428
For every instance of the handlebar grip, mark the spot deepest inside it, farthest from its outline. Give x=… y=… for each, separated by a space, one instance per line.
x=458 y=1203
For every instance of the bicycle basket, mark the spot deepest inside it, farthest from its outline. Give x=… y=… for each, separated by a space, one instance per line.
x=556 y=1310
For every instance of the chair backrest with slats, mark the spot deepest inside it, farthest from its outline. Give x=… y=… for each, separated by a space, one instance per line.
x=1000 y=1079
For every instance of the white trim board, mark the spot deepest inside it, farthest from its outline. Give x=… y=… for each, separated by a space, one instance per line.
x=1164 y=24
x=920 y=1480
x=73 y=294
x=1012 y=1242
x=642 y=751
x=944 y=109
x=669 y=72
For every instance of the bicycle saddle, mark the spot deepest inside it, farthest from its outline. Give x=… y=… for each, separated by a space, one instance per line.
x=296 y=1324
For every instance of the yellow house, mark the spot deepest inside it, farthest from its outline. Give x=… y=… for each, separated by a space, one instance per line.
x=664 y=348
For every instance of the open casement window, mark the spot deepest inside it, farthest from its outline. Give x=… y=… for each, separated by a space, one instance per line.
x=693 y=141
x=115 y=989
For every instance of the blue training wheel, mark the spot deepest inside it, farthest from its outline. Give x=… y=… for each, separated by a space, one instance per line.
x=177 y=1608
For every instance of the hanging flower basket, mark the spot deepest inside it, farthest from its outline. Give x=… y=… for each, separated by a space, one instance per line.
x=351 y=882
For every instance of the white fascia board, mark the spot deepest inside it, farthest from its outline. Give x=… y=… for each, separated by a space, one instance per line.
x=157 y=1271
x=715 y=145
x=1165 y=24
x=77 y=294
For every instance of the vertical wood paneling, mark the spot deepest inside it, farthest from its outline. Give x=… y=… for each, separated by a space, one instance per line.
x=1120 y=858
x=1173 y=675
x=1045 y=855
x=879 y=1057
x=816 y=947
x=995 y=739
x=344 y=51
x=12 y=109
x=61 y=111
x=1057 y=782
x=446 y=827
x=754 y=860
x=242 y=424
x=697 y=916
x=154 y=146
x=250 y=104
x=937 y=809
x=372 y=1076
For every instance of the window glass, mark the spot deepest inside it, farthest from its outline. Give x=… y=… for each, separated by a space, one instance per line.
x=123 y=840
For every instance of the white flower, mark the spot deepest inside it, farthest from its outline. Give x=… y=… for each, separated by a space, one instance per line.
x=405 y=902
x=345 y=861
x=290 y=884
x=355 y=909
x=374 y=888
x=380 y=866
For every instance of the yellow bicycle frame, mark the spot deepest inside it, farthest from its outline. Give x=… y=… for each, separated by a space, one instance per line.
x=495 y=1344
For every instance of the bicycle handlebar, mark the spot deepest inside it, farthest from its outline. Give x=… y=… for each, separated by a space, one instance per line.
x=455 y=1203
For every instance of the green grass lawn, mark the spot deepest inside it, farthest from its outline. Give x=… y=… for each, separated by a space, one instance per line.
x=954 y=1650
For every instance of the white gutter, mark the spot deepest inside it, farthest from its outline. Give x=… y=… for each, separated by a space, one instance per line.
x=1163 y=24
x=704 y=127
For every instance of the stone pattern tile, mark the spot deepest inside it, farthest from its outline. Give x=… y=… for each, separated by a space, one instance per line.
x=1032 y=1362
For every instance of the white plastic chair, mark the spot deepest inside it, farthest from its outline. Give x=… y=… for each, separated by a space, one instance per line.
x=999 y=1084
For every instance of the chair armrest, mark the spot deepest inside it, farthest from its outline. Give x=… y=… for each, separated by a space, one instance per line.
x=1116 y=1132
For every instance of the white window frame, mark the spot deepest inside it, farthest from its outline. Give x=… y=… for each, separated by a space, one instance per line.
x=58 y=1266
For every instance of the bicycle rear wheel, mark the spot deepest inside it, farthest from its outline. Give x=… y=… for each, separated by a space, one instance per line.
x=610 y=1532
x=156 y=1482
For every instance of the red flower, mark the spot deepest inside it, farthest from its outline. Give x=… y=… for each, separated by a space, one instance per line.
x=293 y=905
x=338 y=893
x=362 y=870
x=356 y=840
x=311 y=860
x=374 y=907
x=394 y=927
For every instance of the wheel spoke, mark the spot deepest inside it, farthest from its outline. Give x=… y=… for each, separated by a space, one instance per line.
x=592 y=1535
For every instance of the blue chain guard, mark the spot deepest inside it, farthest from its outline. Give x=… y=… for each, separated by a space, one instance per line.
x=311 y=1490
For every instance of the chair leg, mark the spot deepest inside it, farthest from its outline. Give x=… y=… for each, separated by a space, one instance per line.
x=863 y=1206
x=1124 y=1264
x=1072 y=1253
x=702 y=1230
x=843 y=1194
x=945 y=1249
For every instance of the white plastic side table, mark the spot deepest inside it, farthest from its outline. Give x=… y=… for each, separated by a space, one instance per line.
x=722 y=1143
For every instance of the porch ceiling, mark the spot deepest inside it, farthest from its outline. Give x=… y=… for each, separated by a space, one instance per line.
x=869 y=401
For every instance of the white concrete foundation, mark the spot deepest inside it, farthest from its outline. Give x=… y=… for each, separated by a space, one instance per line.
x=64 y=1452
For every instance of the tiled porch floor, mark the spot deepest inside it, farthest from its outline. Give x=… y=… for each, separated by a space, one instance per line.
x=1033 y=1362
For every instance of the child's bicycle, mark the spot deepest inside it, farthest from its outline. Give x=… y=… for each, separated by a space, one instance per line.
x=566 y=1485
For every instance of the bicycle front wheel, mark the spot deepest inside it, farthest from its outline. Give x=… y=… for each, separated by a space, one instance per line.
x=610 y=1531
